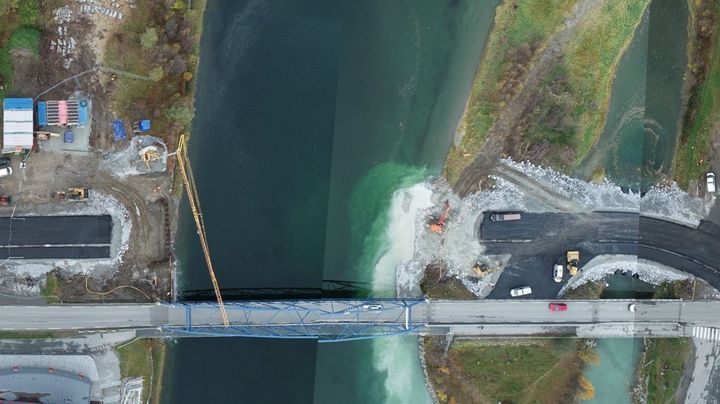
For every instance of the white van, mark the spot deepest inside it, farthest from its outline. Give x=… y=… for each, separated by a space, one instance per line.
x=521 y=291
x=710 y=180
x=558 y=273
x=4 y=172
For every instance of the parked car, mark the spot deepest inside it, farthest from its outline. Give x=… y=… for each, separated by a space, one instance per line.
x=558 y=273
x=557 y=306
x=4 y=172
x=4 y=161
x=521 y=291
x=710 y=180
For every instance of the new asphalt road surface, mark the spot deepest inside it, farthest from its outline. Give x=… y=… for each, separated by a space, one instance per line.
x=539 y=240
x=55 y=237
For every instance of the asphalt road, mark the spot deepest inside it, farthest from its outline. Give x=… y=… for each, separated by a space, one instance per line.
x=55 y=237
x=342 y=313
x=539 y=240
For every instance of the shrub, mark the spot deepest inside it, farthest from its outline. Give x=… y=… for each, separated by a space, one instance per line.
x=149 y=38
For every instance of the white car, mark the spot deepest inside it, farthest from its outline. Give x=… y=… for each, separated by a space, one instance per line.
x=710 y=179
x=558 y=273
x=4 y=172
x=372 y=307
x=521 y=291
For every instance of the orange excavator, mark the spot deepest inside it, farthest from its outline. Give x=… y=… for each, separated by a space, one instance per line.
x=437 y=226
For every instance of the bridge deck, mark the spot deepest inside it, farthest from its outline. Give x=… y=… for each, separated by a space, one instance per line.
x=306 y=319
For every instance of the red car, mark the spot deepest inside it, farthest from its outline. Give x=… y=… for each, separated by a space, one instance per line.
x=558 y=306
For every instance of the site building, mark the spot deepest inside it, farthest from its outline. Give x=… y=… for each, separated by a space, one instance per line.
x=17 y=124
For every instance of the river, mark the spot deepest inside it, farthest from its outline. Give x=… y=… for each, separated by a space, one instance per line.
x=309 y=116
x=641 y=130
x=635 y=150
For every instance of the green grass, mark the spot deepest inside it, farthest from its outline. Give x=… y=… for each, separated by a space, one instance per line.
x=664 y=365
x=541 y=371
x=22 y=38
x=144 y=358
x=692 y=158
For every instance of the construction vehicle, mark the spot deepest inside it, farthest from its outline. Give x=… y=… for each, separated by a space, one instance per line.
x=72 y=194
x=78 y=194
x=194 y=199
x=505 y=216
x=436 y=226
x=573 y=260
x=482 y=270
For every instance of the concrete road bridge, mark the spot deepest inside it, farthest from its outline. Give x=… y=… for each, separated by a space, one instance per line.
x=339 y=320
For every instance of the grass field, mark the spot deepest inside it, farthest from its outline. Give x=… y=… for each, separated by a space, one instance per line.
x=574 y=94
x=22 y=38
x=692 y=158
x=144 y=358
x=524 y=371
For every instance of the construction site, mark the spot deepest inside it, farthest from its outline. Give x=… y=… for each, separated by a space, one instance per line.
x=88 y=190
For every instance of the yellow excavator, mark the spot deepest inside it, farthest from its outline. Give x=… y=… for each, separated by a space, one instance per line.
x=482 y=270
x=573 y=260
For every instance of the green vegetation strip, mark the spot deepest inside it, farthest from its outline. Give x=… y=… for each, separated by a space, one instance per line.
x=144 y=358
x=51 y=290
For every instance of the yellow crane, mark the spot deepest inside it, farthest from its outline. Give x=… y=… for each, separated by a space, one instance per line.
x=194 y=198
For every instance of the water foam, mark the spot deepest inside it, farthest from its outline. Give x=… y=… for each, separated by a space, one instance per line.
x=405 y=208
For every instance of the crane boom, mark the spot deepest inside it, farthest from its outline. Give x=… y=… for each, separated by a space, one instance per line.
x=194 y=198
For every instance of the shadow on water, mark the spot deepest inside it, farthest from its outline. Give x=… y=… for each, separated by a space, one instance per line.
x=297 y=103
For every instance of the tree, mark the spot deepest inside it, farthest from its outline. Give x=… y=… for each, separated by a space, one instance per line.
x=157 y=73
x=149 y=38
x=587 y=391
x=180 y=114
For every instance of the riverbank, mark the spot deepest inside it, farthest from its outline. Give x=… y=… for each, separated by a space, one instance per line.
x=554 y=87
x=699 y=127
x=162 y=42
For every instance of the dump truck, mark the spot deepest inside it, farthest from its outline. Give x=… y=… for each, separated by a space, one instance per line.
x=505 y=216
x=573 y=260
